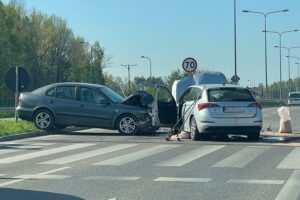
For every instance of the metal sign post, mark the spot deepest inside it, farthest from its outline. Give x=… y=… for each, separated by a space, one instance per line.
x=17 y=93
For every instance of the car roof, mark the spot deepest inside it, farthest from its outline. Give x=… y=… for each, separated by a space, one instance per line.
x=46 y=87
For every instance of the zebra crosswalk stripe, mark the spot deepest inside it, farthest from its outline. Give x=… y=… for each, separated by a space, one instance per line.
x=124 y=159
x=291 y=161
x=241 y=158
x=190 y=156
x=88 y=154
x=42 y=153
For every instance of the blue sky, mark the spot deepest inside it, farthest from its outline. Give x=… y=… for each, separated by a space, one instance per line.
x=168 y=31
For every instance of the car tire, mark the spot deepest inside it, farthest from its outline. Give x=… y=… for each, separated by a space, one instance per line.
x=254 y=136
x=126 y=124
x=195 y=134
x=43 y=119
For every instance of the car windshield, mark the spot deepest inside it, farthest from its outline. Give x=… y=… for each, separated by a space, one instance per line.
x=112 y=95
x=229 y=95
x=295 y=95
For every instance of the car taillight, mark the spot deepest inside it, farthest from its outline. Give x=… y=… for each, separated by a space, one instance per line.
x=20 y=100
x=256 y=105
x=207 y=105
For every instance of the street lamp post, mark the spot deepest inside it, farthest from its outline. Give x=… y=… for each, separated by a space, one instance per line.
x=280 y=68
x=297 y=63
x=289 y=63
x=150 y=64
x=91 y=58
x=265 y=20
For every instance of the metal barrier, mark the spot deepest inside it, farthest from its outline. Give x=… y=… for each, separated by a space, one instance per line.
x=271 y=102
x=7 y=102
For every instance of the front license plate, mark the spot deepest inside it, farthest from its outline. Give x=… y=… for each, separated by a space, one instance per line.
x=234 y=109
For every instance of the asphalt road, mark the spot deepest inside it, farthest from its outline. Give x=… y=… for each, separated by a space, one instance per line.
x=98 y=164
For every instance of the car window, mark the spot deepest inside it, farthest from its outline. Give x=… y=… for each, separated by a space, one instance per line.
x=112 y=95
x=229 y=94
x=164 y=96
x=194 y=94
x=91 y=96
x=295 y=95
x=66 y=92
x=51 y=92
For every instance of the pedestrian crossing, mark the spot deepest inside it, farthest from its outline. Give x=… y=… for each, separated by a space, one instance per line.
x=120 y=154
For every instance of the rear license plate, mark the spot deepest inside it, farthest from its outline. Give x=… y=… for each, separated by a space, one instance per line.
x=234 y=109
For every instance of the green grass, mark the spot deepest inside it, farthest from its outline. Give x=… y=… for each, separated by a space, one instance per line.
x=7 y=114
x=11 y=127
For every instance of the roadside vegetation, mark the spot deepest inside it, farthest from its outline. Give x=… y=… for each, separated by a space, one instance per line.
x=7 y=114
x=11 y=127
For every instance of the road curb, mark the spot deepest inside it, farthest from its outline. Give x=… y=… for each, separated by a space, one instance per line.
x=37 y=134
x=23 y=135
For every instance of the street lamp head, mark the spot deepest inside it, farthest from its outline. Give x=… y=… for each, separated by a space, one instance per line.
x=285 y=10
x=296 y=30
x=276 y=46
x=246 y=11
x=142 y=56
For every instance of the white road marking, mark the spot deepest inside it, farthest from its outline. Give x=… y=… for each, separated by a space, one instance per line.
x=113 y=178
x=15 y=147
x=291 y=161
x=88 y=154
x=263 y=182
x=46 y=152
x=186 y=180
x=2 y=175
x=241 y=158
x=112 y=199
x=291 y=189
x=43 y=176
x=124 y=159
x=190 y=156
x=30 y=176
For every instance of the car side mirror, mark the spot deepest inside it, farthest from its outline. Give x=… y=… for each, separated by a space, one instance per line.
x=104 y=102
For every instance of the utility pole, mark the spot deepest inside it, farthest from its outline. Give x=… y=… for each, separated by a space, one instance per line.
x=128 y=66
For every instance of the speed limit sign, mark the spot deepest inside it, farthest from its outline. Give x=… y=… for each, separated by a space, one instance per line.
x=189 y=64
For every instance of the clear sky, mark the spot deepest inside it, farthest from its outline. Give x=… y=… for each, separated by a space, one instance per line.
x=168 y=31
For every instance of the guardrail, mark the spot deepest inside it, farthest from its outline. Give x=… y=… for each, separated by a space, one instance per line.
x=7 y=102
x=265 y=103
x=7 y=109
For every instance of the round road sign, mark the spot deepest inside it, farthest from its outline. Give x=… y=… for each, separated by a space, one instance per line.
x=189 y=64
x=10 y=79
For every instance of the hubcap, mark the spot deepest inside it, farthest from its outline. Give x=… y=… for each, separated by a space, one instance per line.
x=43 y=120
x=127 y=125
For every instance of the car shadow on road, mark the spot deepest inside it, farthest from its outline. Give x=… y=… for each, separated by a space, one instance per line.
x=18 y=194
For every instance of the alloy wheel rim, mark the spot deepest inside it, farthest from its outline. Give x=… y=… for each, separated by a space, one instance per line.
x=127 y=125
x=43 y=120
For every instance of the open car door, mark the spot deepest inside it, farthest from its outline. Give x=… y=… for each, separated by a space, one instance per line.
x=164 y=111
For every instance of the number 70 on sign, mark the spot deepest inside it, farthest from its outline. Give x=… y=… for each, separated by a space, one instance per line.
x=189 y=64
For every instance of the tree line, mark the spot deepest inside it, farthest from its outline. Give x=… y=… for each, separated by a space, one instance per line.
x=51 y=52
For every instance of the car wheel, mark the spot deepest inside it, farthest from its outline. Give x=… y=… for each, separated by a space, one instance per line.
x=43 y=119
x=195 y=134
x=127 y=125
x=253 y=136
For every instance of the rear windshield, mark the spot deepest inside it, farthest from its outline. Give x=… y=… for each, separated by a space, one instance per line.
x=295 y=95
x=229 y=94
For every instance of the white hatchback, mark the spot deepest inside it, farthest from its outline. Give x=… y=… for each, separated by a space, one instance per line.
x=294 y=98
x=212 y=109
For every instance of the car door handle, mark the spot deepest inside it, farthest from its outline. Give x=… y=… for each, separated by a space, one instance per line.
x=81 y=105
x=50 y=101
